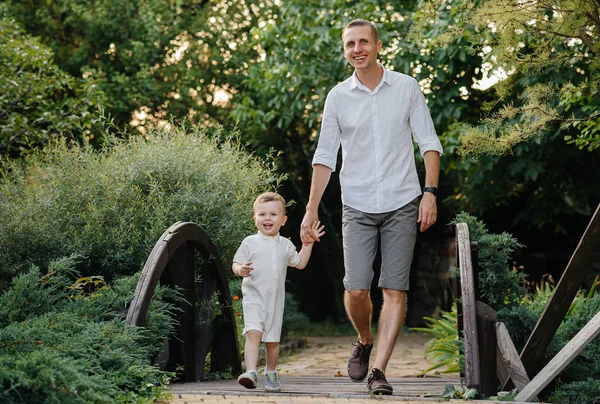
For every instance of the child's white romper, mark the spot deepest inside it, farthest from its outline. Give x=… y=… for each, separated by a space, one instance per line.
x=264 y=290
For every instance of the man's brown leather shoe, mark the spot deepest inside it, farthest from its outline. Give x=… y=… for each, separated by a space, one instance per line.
x=358 y=364
x=378 y=384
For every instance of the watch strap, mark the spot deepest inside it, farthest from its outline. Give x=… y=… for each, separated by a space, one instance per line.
x=433 y=190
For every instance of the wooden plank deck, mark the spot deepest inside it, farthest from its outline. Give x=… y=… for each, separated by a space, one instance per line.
x=325 y=386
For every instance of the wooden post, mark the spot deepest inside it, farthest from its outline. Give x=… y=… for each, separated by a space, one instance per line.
x=508 y=359
x=486 y=333
x=561 y=360
x=204 y=327
x=578 y=267
x=459 y=305
x=472 y=369
x=476 y=269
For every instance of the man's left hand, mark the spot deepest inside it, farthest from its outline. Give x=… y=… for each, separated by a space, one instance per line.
x=427 y=211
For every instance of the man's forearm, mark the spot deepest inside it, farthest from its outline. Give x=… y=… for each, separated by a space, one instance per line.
x=432 y=168
x=320 y=179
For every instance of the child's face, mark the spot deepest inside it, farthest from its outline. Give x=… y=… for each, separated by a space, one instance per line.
x=269 y=217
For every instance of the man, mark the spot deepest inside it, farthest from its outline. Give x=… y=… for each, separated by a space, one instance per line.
x=372 y=115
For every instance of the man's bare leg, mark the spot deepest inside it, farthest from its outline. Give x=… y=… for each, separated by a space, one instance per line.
x=359 y=308
x=391 y=320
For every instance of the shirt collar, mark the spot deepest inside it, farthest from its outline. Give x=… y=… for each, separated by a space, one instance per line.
x=265 y=237
x=355 y=82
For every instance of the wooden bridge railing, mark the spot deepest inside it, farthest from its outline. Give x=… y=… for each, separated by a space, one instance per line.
x=172 y=262
x=491 y=358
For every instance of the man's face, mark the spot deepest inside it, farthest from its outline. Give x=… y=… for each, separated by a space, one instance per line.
x=360 y=48
x=269 y=217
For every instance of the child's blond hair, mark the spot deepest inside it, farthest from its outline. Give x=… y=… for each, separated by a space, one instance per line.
x=269 y=197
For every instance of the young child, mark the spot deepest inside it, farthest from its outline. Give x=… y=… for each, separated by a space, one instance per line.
x=262 y=261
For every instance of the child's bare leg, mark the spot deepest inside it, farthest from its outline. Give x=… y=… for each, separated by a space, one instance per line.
x=272 y=355
x=253 y=338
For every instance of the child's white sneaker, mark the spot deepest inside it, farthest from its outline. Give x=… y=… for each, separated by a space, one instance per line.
x=272 y=381
x=248 y=379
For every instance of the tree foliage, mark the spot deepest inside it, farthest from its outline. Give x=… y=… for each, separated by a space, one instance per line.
x=39 y=100
x=532 y=41
x=155 y=61
x=535 y=188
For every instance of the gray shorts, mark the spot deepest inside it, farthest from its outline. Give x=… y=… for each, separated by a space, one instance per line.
x=361 y=235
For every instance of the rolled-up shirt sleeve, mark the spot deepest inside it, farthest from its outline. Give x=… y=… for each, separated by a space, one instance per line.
x=421 y=123
x=329 y=137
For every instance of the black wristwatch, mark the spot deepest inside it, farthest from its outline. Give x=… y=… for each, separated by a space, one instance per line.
x=433 y=190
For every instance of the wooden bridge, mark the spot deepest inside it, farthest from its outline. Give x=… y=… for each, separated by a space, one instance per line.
x=330 y=387
x=491 y=360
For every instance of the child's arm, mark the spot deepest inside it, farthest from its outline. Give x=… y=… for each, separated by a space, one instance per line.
x=307 y=248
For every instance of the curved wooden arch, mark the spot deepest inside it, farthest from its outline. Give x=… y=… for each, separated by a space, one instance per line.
x=172 y=263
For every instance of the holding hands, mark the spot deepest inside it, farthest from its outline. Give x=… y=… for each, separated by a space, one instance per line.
x=309 y=229
x=316 y=231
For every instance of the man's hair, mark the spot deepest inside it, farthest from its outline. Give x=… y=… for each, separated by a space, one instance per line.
x=361 y=23
x=269 y=197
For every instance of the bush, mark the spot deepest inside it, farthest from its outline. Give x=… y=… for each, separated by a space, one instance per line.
x=498 y=284
x=111 y=206
x=582 y=392
x=580 y=381
x=76 y=347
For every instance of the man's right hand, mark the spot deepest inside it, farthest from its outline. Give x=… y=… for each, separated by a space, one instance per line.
x=307 y=234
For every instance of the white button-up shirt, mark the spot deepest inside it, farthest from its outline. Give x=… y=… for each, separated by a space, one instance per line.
x=374 y=128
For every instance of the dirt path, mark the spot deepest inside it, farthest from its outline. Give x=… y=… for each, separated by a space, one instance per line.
x=328 y=356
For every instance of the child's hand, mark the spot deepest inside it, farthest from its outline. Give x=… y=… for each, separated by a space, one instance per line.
x=245 y=270
x=317 y=229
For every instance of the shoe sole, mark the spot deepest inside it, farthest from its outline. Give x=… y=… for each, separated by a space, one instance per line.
x=382 y=390
x=273 y=389
x=247 y=383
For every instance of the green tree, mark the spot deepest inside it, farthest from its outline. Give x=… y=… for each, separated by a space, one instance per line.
x=38 y=100
x=530 y=181
x=167 y=61
x=556 y=43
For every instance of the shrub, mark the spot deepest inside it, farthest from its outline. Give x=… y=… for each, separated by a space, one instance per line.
x=581 y=392
x=498 y=284
x=77 y=348
x=110 y=206
x=580 y=381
